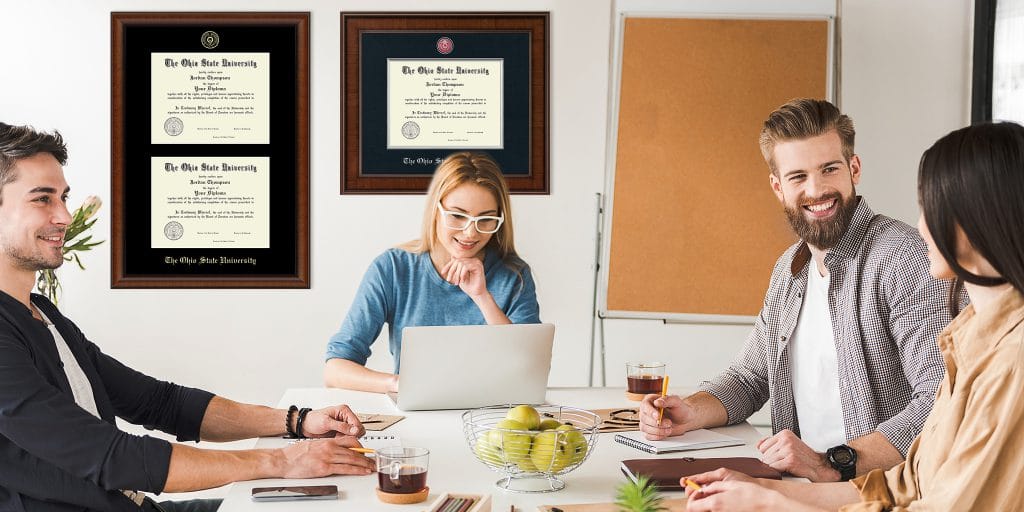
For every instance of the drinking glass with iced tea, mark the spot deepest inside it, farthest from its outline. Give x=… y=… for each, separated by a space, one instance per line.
x=402 y=470
x=644 y=379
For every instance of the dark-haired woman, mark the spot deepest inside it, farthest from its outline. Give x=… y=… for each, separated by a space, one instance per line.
x=970 y=454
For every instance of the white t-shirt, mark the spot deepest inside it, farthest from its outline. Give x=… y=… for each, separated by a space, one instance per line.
x=812 y=356
x=81 y=389
x=80 y=386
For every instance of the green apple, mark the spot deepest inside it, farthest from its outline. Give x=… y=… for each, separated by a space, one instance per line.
x=526 y=415
x=550 y=451
x=576 y=441
x=487 y=452
x=526 y=465
x=549 y=424
x=511 y=439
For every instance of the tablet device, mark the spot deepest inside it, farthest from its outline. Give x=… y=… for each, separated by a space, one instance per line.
x=295 y=492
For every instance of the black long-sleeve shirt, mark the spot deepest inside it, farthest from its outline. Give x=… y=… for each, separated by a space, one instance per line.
x=56 y=456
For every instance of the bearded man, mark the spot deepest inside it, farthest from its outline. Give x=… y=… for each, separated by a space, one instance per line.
x=844 y=345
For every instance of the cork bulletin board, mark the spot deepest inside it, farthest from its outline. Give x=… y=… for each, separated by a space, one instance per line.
x=692 y=228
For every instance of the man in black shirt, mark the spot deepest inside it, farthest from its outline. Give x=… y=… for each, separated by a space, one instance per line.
x=59 y=394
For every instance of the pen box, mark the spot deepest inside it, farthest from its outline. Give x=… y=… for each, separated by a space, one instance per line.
x=483 y=502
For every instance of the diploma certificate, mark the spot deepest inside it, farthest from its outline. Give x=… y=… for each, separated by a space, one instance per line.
x=210 y=202
x=210 y=98
x=445 y=104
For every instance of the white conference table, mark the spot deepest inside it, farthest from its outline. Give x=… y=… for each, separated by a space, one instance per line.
x=454 y=468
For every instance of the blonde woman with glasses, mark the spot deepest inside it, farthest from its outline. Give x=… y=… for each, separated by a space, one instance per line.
x=463 y=270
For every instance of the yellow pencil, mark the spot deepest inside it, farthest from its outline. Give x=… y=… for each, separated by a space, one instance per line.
x=363 y=450
x=692 y=485
x=664 y=390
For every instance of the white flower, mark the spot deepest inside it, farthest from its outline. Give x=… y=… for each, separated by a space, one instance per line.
x=89 y=208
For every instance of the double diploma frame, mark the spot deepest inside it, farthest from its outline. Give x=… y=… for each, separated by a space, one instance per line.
x=210 y=150
x=417 y=87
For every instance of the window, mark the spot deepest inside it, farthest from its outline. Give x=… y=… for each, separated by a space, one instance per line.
x=998 y=91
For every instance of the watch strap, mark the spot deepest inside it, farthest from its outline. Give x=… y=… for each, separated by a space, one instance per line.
x=847 y=473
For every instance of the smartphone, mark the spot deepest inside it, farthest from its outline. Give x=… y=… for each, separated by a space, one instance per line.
x=299 y=492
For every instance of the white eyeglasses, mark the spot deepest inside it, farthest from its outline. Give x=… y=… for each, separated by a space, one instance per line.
x=486 y=224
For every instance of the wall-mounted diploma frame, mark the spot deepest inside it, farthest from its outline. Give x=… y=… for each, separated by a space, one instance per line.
x=210 y=150
x=418 y=86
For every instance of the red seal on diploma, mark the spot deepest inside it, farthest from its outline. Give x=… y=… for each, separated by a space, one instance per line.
x=445 y=45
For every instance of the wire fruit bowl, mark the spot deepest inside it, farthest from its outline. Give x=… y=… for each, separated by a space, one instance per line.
x=531 y=460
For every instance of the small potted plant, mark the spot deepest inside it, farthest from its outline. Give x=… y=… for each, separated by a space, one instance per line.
x=639 y=496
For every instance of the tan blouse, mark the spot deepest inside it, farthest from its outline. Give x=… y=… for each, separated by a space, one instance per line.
x=970 y=454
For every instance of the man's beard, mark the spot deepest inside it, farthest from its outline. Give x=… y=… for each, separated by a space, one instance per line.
x=32 y=261
x=823 y=234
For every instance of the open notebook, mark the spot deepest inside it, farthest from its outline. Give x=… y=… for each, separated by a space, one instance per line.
x=693 y=440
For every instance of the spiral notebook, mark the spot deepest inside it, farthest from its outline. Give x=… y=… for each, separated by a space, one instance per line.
x=693 y=440
x=369 y=440
x=378 y=441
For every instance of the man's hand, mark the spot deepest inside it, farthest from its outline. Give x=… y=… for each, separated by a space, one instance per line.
x=324 y=457
x=679 y=417
x=787 y=452
x=467 y=274
x=338 y=420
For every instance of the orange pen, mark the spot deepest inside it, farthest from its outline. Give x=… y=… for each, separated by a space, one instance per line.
x=363 y=450
x=664 y=390
x=692 y=485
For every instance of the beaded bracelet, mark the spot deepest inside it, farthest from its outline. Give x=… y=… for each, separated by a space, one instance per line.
x=302 y=418
x=288 y=422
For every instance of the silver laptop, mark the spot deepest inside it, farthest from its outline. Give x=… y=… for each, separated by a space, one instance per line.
x=467 y=366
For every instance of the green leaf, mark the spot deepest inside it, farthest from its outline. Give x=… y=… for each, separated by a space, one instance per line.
x=639 y=496
x=79 y=245
x=77 y=227
x=48 y=285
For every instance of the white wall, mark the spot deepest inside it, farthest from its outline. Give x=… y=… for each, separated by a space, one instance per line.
x=904 y=82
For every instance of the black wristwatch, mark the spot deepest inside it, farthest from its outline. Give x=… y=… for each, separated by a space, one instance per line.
x=843 y=459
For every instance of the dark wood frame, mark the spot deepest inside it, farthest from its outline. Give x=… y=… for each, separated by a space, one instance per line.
x=354 y=180
x=298 y=276
x=981 y=83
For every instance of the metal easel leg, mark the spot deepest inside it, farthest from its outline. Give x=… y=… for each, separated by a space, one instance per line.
x=595 y=315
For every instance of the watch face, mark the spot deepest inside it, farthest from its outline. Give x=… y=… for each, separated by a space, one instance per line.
x=842 y=457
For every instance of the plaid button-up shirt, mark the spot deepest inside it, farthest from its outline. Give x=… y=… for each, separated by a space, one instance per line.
x=886 y=312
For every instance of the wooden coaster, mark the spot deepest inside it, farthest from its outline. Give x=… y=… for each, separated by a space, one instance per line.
x=636 y=397
x=403 y=499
